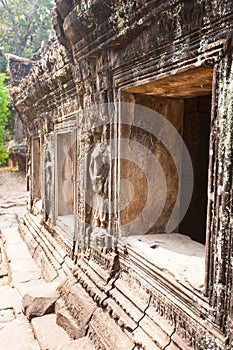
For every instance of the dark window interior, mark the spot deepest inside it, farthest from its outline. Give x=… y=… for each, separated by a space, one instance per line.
x=196 y=130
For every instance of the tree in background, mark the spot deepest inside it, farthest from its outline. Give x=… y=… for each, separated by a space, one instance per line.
x=23 y=25
x=4 y=102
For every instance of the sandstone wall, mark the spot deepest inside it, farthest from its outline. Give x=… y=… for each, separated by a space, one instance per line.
x=165 y=55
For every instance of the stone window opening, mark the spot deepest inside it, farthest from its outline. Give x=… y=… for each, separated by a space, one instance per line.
x=185 y=100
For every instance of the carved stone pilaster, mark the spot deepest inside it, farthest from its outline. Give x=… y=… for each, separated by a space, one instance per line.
x=220 y=194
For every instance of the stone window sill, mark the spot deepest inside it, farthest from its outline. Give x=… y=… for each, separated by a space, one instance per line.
x=175 y=254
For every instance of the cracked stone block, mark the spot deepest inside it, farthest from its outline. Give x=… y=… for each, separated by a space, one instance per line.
x=40 y=300
x=177 y=341
x=81 y=307
x=173 y=346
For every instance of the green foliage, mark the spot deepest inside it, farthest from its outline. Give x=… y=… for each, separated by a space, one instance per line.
x=3 y=63
x=23 y=25
x=4 y=102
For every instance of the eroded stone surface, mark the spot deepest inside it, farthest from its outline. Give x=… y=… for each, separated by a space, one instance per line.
x=40 y=300
x=81 y=307
x=103 y=330
x=66 y=321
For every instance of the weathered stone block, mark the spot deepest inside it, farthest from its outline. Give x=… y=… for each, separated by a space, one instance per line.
x=81 y=307
x=65 y=320
x=40 y=301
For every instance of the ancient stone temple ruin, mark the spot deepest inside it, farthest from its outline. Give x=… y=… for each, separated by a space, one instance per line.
x=129 y=118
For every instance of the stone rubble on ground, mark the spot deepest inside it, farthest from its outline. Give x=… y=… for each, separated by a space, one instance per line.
x=40 y=300
x=23 y=289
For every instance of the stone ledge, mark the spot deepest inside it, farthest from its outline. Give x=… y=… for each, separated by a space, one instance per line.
x=45 y=250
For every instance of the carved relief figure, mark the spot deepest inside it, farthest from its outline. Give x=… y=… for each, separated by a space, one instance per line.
x=48 y=183
x=99 y=176
x=67 y=178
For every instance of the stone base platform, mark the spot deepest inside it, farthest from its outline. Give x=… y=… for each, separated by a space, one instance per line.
x=112 y=300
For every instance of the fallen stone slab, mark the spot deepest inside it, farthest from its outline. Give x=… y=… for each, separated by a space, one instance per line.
x=81 y=306
x=40 y=300
x=48 y=334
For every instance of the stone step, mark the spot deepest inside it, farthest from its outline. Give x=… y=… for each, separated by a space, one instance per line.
x=48 y=334
x=66 y=321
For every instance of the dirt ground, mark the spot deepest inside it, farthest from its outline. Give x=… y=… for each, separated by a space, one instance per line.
x=12 y=182
x=13 y=196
